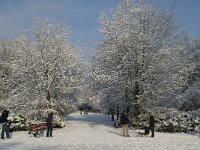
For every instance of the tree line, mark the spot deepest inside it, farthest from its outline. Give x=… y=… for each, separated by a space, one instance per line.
x=144 y=61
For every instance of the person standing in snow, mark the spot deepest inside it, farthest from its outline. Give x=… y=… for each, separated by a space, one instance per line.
x=112 y=114
x=152 y=125
x=49 y=124
x=127 y=109
x=117 y=111
x=124 y=122
x=5 y=125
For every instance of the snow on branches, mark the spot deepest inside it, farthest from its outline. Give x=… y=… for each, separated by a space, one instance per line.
x=44 y=67
x=143 y=56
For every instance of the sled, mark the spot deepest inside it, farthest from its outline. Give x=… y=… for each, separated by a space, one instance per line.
x=37 y=129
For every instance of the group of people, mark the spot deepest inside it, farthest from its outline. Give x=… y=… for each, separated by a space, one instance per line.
x=6 y=123
x=125 y=121
x=85 y=109
x=49 y=123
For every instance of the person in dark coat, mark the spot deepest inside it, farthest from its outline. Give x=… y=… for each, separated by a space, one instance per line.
x=127 y=109
x=152 y=125
x=5 y=125
x=124 y=122
x=49 y=124
x=117 y=111
x=112 y=114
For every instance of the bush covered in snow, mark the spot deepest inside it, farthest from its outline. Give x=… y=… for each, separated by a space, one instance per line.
x=171 y=120
x=18 y=122
x=21 y=123
x=41 y=116
x=58 y=122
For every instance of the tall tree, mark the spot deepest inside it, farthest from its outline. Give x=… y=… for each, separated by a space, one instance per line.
x=143 y=57
x=6 y=57
x=188 y=99
x=46 y=68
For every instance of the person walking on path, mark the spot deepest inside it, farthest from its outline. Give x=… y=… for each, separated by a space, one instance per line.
x=127 y=110
x=49 y=124
x=152 y=125
x=124 y=122
x=112 y=114
x=117 y=111
x=5 y=125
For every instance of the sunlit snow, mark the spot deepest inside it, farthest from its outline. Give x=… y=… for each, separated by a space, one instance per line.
x=96 y=132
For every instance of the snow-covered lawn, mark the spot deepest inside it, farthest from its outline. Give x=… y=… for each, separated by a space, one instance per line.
x=95 y=132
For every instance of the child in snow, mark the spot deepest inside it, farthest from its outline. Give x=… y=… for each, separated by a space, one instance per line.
x=146 y=131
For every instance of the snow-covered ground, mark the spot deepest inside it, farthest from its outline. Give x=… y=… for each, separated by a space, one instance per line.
x=95 y=132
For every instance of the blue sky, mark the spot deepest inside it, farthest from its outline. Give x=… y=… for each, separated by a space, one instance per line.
x=82 y=16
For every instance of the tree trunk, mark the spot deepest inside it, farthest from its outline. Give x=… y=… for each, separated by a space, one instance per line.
x=136 y=104
x=49 y=99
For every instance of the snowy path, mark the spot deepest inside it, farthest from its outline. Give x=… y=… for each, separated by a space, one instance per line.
x=95 y=132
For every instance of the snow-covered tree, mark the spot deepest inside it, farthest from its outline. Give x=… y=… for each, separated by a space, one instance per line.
x=6 y=56
x=143 y=57
x=45 y=70
x=188 y=99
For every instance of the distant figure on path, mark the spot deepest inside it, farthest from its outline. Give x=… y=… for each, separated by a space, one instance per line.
x=5 y=124
x=112 y=114
x=81 y=109
x=152 y=125
x=49 y=124
x=117 y=111
x=124 y=122
x=127 y=109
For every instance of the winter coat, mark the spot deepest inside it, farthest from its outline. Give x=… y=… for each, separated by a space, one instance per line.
x=49 y=119
x=152 y=122
x=146 y=130
x=4 y=116
x=124 y=119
